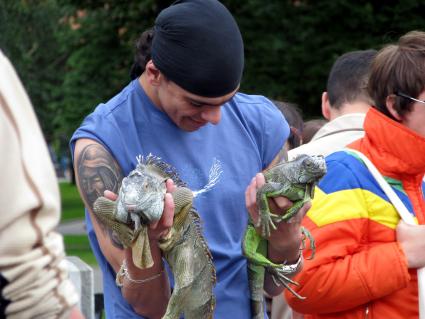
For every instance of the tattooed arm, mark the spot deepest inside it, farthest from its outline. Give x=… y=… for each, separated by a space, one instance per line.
x=96 y=171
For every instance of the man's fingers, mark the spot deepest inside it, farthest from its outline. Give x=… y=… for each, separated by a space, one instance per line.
x=260 y=179
x=401 y=224
x=110 y=195
x=279 y=204
x=170 y=185
x=166 y=220
x=298 y=218
x=250 y=199
x=168 y=215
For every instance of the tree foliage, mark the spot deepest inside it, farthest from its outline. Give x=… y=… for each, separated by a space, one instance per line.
x=291 y=45
x=100 y=37
x=75 y=54
x=28 y=37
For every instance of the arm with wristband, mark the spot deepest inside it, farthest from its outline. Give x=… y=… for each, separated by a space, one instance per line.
x=146 y=290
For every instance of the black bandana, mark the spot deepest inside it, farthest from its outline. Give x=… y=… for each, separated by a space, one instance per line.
x=197 y=44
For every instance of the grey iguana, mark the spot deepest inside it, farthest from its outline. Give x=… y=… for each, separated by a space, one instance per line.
x=141 y=202
x=296 y=181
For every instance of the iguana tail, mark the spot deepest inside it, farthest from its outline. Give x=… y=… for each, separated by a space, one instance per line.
x=256 y=281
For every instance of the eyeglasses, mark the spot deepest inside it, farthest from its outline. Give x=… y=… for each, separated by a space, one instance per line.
x=408 y=97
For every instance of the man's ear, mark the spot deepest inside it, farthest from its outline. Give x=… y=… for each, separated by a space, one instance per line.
x=326 y=108
x=154 y=76
x=390 y=103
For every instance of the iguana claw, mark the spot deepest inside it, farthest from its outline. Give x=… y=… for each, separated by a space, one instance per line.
x=306 y=234
x=266 y=223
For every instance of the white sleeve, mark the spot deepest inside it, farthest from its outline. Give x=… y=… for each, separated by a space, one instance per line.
x=34 y=279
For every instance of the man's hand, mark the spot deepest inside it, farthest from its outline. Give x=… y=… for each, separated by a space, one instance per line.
x=285 y=240
x=163 y=225
x=412 y=240
x=160 y=285
x=161 y=228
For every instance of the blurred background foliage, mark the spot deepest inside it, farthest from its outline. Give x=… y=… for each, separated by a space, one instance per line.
x=72 y=55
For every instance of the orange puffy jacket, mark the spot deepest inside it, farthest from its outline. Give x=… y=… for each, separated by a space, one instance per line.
x=360 y=270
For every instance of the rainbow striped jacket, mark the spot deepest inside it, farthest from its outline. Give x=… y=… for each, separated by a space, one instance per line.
x=360 y=270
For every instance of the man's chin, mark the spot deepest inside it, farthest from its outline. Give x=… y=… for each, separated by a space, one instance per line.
x=191 y=125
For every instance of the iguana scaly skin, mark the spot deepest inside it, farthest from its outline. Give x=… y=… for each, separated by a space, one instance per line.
x=294 y=180
x=140 y=202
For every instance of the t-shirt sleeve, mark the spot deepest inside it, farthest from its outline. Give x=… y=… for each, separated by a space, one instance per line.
x=275 y=131
x=87 y=129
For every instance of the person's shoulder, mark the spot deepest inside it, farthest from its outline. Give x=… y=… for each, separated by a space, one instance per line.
x=342 y=157
x=244 y=98
x=326 y=145
x=262 y=120
x=97 y=122
x=117 y=101
x=254 y=104
x=311 y=148
x=344 y=171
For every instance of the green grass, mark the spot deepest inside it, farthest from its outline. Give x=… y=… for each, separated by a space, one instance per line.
x=78 y=245
x=73 y=208
x=72 y=205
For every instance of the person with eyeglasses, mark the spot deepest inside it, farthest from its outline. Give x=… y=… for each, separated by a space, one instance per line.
x=183 y=106
x=367 y=258
x=408 y=97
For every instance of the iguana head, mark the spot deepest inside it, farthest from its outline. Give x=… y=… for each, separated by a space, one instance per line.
x=142 y=193
x=308 y=169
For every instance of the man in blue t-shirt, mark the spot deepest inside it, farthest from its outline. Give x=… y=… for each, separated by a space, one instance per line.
x=182 y=105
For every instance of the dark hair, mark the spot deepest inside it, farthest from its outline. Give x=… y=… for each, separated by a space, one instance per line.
x=293 y=116
x=311 y=127
x=347 y=80
x=399 y=67
x=142 y=54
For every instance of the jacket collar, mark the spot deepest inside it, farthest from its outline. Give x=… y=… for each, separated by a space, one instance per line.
x=396 y=150
x=343 y=123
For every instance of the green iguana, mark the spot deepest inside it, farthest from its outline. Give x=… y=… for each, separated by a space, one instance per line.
x=296 y=181
x=141 y=202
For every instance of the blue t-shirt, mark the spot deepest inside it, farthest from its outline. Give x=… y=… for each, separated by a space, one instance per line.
x=250 y=134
